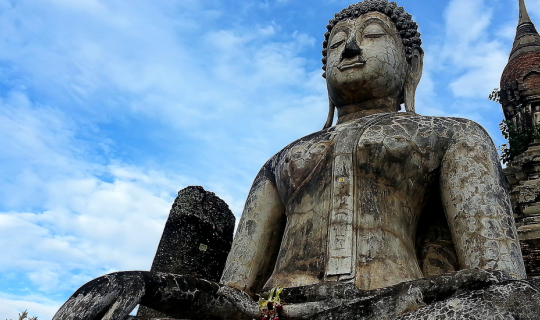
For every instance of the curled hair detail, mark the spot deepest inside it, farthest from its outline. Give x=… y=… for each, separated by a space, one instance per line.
x=406 y=27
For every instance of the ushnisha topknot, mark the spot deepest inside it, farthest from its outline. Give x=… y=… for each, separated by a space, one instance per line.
x=406 y=27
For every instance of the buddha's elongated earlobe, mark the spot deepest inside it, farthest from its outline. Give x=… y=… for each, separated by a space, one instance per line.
x=330 y=118
x=413 y=78
x=409 y=91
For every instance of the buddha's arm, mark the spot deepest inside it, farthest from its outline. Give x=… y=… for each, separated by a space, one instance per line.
x=477 y=205
x=258 y=237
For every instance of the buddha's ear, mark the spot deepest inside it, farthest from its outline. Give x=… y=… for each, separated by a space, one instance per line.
x=330 y=118
x=416 y=65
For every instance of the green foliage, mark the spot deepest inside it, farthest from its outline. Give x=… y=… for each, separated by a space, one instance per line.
x=518 y=140
x=24 y=315
x=495 y=95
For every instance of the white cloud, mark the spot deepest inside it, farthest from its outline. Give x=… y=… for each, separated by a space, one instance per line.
x=76 y=225
x=146 y=64
x=480 y=80
x=533 y=7
x=89 y=225
x=74 y=204
x=471 y=51
x=37 y=306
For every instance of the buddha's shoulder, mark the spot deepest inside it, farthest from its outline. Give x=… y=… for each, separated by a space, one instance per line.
x=314 y=143
x=441 y=126
x=433 y=121
x=412 y=124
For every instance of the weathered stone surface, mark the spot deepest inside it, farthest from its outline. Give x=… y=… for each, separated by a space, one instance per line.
x=530 y=210
x=525 y=191
x=196 y=239
x=531 y=255
x=197 y=236
x=524 y=175
x=520 y=81
x=403 y=22
x=401 y=162
x=113 y=297
x=529 y=191
x=109 y=297
x=511 y=300
x=524 y=70
x=520 y=98
x=528 y=232
x=467 y=294
x=435 y=248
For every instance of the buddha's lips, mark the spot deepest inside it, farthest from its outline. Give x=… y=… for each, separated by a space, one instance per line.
x=344 y=65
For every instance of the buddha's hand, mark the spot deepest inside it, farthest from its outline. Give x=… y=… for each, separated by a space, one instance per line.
x=109 y=297
x=241 y=301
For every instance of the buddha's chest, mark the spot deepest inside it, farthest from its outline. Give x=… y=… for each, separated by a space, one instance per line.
x=399 y=157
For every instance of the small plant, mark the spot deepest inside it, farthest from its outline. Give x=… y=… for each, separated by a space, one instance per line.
x=495 y=95
x=24 y=315
x=518 y=139
x=271 y=309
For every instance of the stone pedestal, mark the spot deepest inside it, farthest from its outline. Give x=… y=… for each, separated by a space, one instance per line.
x=523 y=174
x=196 y=239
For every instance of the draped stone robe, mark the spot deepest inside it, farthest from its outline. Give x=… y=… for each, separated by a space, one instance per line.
x=356 y=203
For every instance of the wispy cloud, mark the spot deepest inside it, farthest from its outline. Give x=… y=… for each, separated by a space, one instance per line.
x=74 y=209
x=470 y=49
x=12 y=305
x=81 y=197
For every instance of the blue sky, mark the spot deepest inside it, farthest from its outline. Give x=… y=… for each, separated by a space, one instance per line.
x=109 y=107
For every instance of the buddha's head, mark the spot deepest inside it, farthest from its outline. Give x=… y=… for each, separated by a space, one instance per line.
x=372 y=52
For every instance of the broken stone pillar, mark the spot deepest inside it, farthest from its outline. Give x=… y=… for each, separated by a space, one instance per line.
x=196 y=239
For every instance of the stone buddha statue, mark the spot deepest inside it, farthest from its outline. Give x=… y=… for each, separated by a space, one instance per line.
x=352 y=218
x=348 y=199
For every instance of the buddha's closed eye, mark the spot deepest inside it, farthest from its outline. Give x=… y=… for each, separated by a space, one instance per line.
x=336 y=44
x=374 y=31
x=374 y=35
x=338 y=39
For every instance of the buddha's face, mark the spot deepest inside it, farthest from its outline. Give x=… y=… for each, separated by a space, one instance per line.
x=366 y=60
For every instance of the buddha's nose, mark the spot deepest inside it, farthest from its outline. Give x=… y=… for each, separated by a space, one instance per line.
x=351 y=49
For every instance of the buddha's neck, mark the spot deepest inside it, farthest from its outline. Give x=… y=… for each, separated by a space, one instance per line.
x=358 y=110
